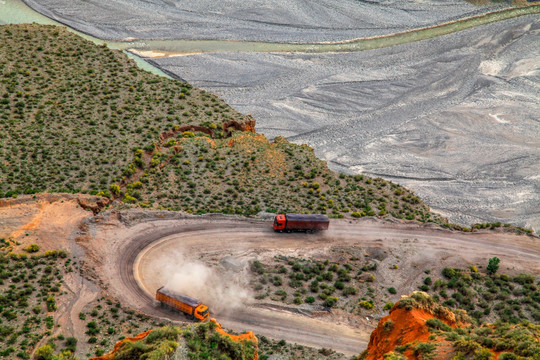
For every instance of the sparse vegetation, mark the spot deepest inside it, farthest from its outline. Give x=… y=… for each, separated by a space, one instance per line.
x=489 y=297
x=95 y=123
x=30 y=286
x=280 y=349
x=353 y=286
x=318 y=283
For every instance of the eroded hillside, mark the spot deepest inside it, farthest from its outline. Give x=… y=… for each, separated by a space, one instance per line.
x=419 y=328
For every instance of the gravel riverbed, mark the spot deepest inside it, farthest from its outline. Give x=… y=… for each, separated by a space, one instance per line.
x=454 y=118
x=257 y=20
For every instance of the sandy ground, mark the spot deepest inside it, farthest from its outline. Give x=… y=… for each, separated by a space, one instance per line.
x=129 y=254
x=52 y=221
x=454 y=118
x=49 y=220
x=258 y=20
x=133 y=254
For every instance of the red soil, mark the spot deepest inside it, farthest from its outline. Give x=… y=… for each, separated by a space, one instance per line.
x=110 y=355
x=409 y=327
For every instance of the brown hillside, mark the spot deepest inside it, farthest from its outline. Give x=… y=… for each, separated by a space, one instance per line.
x=419 y=328
x=406 y=324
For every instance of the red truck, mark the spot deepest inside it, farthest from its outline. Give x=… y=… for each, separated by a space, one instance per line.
x=300 y=222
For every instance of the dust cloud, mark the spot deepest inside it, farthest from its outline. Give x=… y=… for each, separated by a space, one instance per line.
x=216 y=287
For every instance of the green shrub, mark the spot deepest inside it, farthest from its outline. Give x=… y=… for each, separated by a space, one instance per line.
x=467 y=346
x=46 y=352
x=368 y=305
x=493 y=266
x=71 y=344
x=392 y=290
x=350 y=290
x=49 y=322
x=33 y=248
x=330 y=301
x=51 y=303
x=282 y=294
x=449 y=273
x=257 y=267
x=423 y=349
x=388 y=325
x=483 y=354
x=437 y=324
x=508 y=356
x=115 y=189
x=393 y=356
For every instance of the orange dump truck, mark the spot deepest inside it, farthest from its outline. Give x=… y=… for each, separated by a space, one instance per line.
x=192 y=308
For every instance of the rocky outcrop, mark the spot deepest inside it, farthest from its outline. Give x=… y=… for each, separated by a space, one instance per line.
x=247 y=126
x=95 y=206
x=248 y=336
x=406 y=324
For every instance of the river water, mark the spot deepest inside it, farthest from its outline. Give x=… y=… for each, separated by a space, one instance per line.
x=17 y=12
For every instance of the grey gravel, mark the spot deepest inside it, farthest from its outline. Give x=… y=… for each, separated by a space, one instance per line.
x=454 y=118
x=257 y=20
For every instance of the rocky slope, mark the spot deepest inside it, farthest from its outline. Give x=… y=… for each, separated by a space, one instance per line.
x=419 y=328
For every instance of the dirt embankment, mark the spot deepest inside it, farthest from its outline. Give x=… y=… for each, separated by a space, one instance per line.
x=406 y=324
x=420 y=328
x=248 y=336
x=110 y=356
x=49 y=220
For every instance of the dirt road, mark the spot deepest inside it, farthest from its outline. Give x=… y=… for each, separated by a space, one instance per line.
x=134 y=258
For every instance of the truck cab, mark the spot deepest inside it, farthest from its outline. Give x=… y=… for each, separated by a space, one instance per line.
x=201 y=312
x=279 y=222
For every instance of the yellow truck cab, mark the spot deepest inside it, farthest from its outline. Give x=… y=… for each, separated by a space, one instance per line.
x=202 y=312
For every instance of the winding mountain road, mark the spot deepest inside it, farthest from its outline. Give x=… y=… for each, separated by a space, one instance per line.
x=136 y=256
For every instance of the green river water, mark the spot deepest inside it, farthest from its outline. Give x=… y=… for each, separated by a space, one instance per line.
x=16 y=11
